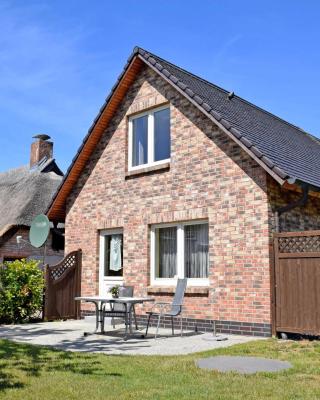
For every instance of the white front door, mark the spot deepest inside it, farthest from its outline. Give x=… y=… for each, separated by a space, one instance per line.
x=110 y=260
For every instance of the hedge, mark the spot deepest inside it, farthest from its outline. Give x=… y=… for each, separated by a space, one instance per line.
x=21 y=290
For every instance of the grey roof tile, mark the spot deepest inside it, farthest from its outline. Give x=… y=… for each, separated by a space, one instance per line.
x=198 y=99
x=267 y=161
x=284 y=147
x=216 y=115
x=166 y=72
x=280 y=172
x=206 y=106
x=246 y=142
x=256 y=151
x=189 y=92
x=236 y=133
x=173 y=79
x=225 y=123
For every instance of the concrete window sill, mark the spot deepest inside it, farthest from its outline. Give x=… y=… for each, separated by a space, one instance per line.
x=148 y=170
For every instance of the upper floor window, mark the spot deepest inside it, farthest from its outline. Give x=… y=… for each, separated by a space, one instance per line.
x=149 y=138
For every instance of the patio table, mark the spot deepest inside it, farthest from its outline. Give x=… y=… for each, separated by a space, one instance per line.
x=100 y=302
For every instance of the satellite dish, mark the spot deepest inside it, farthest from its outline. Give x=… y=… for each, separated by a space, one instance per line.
x=39 y=230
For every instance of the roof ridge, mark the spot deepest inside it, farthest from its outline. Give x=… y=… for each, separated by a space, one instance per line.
x=226 y=91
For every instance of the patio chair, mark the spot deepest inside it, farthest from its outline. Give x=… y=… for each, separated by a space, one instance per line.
x=171 y=310
x=119 y=311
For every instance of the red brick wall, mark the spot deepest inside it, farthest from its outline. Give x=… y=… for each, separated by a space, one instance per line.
x=209 y=177
x=39 y=149
x=11 y=249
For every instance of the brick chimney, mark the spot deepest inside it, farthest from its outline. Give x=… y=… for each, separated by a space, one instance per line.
x=40 y=148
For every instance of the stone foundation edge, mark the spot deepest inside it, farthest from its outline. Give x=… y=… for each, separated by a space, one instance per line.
x=206 y=325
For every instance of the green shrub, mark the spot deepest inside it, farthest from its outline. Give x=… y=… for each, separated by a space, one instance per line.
x=21 y=290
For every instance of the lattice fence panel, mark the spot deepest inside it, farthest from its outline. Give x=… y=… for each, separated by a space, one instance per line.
x=299 y=244
x=60 y=269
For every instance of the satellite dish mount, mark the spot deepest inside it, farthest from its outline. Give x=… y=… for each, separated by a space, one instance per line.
x=39 y=232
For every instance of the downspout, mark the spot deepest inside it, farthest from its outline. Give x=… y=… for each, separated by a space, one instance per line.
x=298 y=203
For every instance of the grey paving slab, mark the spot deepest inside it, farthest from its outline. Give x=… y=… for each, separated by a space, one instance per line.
x=243 y=365
x=68 y=335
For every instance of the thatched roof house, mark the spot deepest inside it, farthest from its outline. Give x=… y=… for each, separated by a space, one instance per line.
x=26 y=192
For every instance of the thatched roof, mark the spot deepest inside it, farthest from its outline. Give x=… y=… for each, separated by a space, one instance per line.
x=25 y=193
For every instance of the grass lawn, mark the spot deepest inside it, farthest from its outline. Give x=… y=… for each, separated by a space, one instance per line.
x=32 y=372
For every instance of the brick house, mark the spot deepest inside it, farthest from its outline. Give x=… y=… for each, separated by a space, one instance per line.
x=178 y=177
x=24 y=193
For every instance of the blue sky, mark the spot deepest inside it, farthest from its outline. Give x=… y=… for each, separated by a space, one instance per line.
x=59 y=59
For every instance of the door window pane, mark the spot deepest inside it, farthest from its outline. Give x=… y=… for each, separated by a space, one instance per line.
x=140 y=141
x=162 y=135
x=113 y=259
x=196 y=244
x=166 y=252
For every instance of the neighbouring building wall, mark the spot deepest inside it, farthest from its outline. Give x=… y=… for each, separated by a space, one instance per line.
x=210 y=177
x=298 y=219
x=10 y=249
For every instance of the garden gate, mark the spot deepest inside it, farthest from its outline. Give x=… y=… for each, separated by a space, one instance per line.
x=62 y=285
x=296 y=296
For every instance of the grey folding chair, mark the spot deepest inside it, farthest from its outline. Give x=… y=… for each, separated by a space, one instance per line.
x=118 y=310
x=172 y=310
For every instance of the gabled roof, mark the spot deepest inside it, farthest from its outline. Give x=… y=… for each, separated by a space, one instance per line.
x=285 y=151
x=288 y=147
x=26 y=192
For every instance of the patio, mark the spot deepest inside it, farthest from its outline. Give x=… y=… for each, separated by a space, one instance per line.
x=68 y=335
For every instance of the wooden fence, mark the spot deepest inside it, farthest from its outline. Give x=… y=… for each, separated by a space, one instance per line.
x=63 y=284
x=296 y=296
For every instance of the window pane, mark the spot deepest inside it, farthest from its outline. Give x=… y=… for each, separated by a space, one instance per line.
x=140 y=141
x=196 y=244
x=162 y=135
x=166 y=252
x=113 y=261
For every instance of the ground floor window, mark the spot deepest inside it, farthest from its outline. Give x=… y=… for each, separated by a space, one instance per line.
x=180 y=250
x=111 y=254
x=12 y=258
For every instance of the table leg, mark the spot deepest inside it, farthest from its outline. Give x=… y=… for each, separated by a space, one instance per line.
x=126 y=321
x=98 y=321
x=102 y=309
x=130 y=318
x=135 y=317
x=97 y=316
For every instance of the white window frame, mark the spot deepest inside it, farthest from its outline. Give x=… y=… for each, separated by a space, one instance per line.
x=105 y=281
x=150 y=162
x=180 y=255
